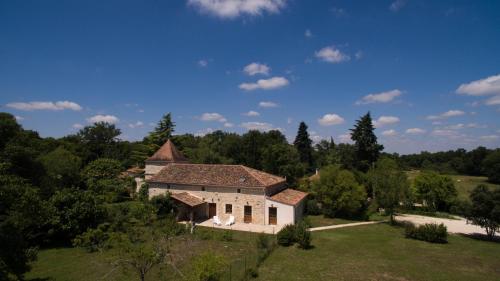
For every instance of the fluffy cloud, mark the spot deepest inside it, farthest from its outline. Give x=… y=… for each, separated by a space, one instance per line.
x=234 y=8
x=345 y=138
x=203 y=63
x=45 y=105
x=332 y=55
x=385 y=120
x=77 y=126
x=308 y=33
x=137 y=124
x=382 y=97
x=251 y=113
x=260 y=126
x=228 y=125
x=397 y=5
x=415 y=131
x=256 y=68
x=267 y=104
x=213 y=117
x=111 y=119
x=495 y=100
x=489 y=138
x=330 y=119
x=265 y=84
x=19 y=118
x=389 y=133
x=447 y=114
x=482 y=87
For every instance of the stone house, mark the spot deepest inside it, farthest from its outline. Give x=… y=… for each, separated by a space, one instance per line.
x=202 y=191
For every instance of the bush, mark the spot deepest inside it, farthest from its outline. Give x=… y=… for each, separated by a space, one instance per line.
x=93 y=239
x=144 y=192
x=262 y=242
x=163 y=204
x=430 y=232
x=303 y=236
x=312 y=208
x=286 y=236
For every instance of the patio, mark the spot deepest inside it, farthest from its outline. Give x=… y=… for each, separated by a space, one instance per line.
x=270 y=229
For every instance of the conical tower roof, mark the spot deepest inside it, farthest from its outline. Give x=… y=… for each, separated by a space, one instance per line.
x=168 y=153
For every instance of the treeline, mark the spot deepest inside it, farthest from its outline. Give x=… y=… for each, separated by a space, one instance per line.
x=477 y=162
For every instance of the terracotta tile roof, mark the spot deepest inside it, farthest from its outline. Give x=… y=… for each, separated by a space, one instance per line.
x=167 y=153
x=215 y=175
x=187 y=199
x=289 y=196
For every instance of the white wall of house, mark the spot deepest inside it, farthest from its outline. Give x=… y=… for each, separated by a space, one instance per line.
x=285 y=213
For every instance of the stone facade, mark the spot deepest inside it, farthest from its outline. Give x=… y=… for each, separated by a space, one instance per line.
x=237 y=197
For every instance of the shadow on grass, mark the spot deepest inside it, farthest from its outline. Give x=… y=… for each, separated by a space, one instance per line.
x=40 y=279
x=482 y=237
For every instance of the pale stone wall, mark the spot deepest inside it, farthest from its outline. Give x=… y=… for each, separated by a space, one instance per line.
x=285 y=213
x=152 y=169
x=254 y=197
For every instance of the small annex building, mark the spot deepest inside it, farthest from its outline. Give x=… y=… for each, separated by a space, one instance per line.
x=203 y=191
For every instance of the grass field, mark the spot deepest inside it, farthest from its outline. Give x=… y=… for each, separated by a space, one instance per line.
x=463 y=184
x=380 y=252
x=321 y=220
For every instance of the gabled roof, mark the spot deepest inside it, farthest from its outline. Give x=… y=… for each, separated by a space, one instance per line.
x=168 y=153
x=215 y=175
x=187 y=199
x=289 y=196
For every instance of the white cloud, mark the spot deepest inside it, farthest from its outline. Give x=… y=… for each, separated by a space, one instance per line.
x=77 y=126
x=389 y=133
x=213 y=117
x=228 y=125
x=137 y=124
x=289 y=120
x=345 y=138
x=382 y=97
x=458 y=126
x=203 y=63
x=267 y=104
x=482 y=87
x=203 y=132
x=385 y=120
x=415 y=131
x=251 y=113
x=476 y=126
x=495 y=100
x=260 y=126
x=332 y=55
x=234 y=8
x=489 y=138
x=265 y=84
x=447 y=114
x=111 y=119
x=397 y=5
x=19 y=118
x=308 y=33
x=446 y=133
x=256 y=68
x=45 y=105
x=330 y=119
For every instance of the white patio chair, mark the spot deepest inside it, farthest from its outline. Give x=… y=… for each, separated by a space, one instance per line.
x=230 y=221
x=216 y=220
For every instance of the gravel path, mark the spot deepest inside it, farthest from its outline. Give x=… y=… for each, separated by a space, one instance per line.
x=459 y=225
x=343 y=225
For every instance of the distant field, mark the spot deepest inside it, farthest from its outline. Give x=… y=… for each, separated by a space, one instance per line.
x=464 y=184
x=380 y=252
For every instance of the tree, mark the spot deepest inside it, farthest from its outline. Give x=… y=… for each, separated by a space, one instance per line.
x=338 y=192
x=491 y=166
x=162 y=132
x=8 y=128
x=438 y=192
x=389 y=185
x=100 y=169
x=62 y=167
x=100 y=140
x=303 y=144
x=485 y=210
x=367 y=148
x=282 y=160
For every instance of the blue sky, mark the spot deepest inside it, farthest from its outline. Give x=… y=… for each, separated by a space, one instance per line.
x=427 y=70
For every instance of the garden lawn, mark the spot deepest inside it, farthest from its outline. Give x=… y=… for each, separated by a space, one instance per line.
x=380 y=252
x=320 y=220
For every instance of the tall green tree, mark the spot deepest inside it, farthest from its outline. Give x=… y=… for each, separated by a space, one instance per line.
x=162 y=132
x=485 y=210
x=491 y=166
x=367 y=148
x=62 y=167
x=437 y=191
x=100 y=140
x=8 y=128
x=303 y=144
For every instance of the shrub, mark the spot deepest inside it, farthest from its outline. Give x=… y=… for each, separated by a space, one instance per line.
x=144 y=192
x=93 y=239
x=286 y=236
x=262 y=242
x=303 y=236
x=163 y=204
x=430 y=232
x=312 y=208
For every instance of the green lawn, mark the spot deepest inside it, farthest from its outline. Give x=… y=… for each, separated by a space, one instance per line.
x=76 y=264
x=380 y=252
x=321 y=220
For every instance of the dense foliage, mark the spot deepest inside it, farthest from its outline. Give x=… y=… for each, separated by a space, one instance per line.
x=430 y=232
x=485 y=209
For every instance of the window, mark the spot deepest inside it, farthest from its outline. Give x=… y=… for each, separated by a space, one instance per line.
x=239 y=190
x=168 y=186
x=202 y=188
x=229 y=209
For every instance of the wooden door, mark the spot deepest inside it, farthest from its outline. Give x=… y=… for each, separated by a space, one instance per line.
x=247 y=218
x=273 y=215
x=212 y=210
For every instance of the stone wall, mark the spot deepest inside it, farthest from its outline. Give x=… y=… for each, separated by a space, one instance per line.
x=152 y=169
x=254 y=197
